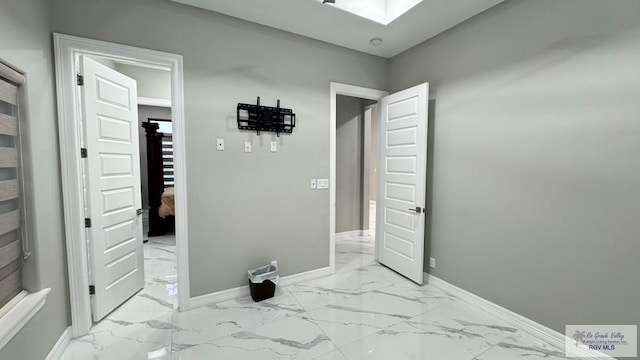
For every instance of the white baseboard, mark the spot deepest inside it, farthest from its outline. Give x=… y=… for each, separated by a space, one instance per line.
x=345 y=235
x=218 y=297
x=241 y=291
x=536 y=329
x=304 y=276
x=369 y=232
x=58 y=349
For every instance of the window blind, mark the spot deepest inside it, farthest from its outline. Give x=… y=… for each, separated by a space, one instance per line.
x=11 y=230
x=167 y=160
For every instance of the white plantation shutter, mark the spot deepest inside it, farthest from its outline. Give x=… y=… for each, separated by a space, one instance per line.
x=167 y=160
x=11 y=229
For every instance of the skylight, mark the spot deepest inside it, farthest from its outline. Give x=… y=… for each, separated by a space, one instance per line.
x=380 y=11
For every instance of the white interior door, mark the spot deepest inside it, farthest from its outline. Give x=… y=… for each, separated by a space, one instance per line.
x=402 y=171
x=112 y=179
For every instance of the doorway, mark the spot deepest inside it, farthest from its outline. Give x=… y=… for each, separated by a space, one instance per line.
x=355 y=154
x=70 y=55
x=365 y=98
x=401 y=176
x=155 y=245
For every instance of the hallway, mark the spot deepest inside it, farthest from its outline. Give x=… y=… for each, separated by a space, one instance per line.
x=364 y=311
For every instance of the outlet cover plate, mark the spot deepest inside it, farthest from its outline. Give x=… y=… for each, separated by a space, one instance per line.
x=323 y=183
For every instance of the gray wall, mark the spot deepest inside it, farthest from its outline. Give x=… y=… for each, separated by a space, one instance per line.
x=145 y=112
x=152 y=83
x=535 y=157
x=370 y=136
x=244 y=209
x=25 y=42
x=349 y=136
x=353 y=143
x=373 y=160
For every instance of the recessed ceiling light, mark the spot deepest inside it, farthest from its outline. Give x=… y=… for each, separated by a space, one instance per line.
x=375 y=41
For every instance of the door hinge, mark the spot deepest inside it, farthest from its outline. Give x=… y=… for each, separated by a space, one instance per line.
x=87 y=222
x=92 y=290
x=83 y=153
x=80 y=79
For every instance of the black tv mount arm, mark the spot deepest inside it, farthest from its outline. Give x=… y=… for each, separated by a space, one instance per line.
x=265 y=118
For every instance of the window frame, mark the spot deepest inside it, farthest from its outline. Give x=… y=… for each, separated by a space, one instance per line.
x=15 y=314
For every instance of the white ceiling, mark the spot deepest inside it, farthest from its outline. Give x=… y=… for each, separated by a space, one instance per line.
x=328 y=23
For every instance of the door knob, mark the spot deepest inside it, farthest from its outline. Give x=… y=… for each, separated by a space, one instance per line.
x=417 y=210
x=139 y=212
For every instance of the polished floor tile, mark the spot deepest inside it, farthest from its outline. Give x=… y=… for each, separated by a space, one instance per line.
x=290 y=338
x=363 y=311
x=344 y=324
x=334 y=355
x=522 y=346
x=142 y=327
x=209 y=323
x=405 y=341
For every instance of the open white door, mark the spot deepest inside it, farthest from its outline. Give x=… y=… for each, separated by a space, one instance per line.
x=112 y=178
x=402 y=171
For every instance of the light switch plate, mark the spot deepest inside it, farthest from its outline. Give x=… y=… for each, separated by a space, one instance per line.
x=274 y=146
x=323 y=183
x=247 y=146
x=220 y=144
x=313 y=184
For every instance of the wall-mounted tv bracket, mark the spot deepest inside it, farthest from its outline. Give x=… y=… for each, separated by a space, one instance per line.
x=266 y=118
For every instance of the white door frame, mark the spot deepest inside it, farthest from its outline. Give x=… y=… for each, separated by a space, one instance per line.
x=67 y=51
x=347 y=90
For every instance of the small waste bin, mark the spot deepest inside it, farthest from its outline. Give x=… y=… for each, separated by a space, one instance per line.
x=262 y=282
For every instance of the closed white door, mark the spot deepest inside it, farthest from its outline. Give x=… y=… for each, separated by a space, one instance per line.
x=402 y=171
x=112 y=179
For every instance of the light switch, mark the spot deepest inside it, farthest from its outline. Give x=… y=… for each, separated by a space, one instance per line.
x=313 y=183
x=323 y=183
x=220 y=144
x=274 y=146
x=247 y=146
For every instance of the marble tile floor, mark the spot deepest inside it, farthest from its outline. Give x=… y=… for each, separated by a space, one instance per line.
x=364 y=311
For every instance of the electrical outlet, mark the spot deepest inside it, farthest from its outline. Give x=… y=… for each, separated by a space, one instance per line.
x=323 y=183
x=432 y=263
x=274 y=263
x=313 y=184
x=220 y=144
x=247 y=146
x=274 y=146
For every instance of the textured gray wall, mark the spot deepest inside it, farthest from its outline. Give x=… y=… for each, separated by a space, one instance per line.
x=349 y=136
x=244 y=209
x=373 y=159
x=152 y=83
x=535 y=159
x=25 y=42
x=370 y=135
